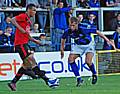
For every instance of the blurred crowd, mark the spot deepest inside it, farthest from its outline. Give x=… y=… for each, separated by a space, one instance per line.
x=62 y=11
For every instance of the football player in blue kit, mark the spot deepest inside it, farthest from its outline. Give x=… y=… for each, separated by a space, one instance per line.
x=82 y=44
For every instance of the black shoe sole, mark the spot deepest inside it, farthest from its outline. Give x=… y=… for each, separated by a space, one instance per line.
x=94 y=81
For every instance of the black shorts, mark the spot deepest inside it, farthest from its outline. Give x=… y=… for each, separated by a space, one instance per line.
x=24 y=50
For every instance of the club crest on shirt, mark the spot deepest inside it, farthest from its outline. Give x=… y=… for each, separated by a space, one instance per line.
x=28 y=28
x=88 y=26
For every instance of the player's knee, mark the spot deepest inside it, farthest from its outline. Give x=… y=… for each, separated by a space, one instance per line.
x=39 y=72
x=42 y=72
x=30 y=57
x=31 y=60
x=88 y=62
x=71 y=60
x=88 y=59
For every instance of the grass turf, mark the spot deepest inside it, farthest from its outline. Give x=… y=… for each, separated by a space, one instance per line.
x=105 y=85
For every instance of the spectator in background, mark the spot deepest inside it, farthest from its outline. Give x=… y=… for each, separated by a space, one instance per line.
x=116 y=37
x=35 y=28
x=65 y=3
x=92 y=19
x=42 y=15
x=60 y=23
x=115 y=22
x=10 y=34
x=6 y=41
x=2 y=48
x=2 y=17
x=114 y=26
x=10 y=3
x=2 y=3
x=44 y=3
x=94 y=3
x=45 y=44
x=118 y=1
x=83 y=4
x=7 y=23
x=81 y=18
x=7 y=38
x=53 y=2
x=22 y=3
x=111 y=3
x=1 y=33
x=35 y=2
x=69 y=2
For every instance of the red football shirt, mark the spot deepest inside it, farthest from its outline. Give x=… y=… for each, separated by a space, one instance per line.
x=24 y=21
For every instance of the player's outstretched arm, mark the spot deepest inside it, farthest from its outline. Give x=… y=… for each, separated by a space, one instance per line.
x=115 y=46
x=106 y=39
x=14 y=22
x=62 y=47
x=34 y=40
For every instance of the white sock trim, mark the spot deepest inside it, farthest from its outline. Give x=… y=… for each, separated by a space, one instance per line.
x=78 y=76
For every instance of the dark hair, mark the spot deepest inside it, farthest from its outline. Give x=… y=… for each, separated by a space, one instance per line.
x=42 y=35
x=8 y=27
x=73 y=19
x=60 y=2
x=29 y=6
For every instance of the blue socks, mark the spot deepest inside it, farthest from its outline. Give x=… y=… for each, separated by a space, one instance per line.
x=75 y=70
x=92 y=68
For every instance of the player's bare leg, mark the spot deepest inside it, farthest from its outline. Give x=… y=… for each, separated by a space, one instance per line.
x=88 y=59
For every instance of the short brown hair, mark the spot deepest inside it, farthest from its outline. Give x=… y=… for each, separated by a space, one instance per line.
x=74 y=19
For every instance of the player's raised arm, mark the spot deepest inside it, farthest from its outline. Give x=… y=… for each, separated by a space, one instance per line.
x=106 y=39
x=14 y=22
x=62 y=47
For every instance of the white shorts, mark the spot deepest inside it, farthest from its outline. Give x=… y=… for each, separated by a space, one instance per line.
x=82 y=49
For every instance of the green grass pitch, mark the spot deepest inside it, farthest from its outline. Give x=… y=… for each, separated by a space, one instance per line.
x=105 y=85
